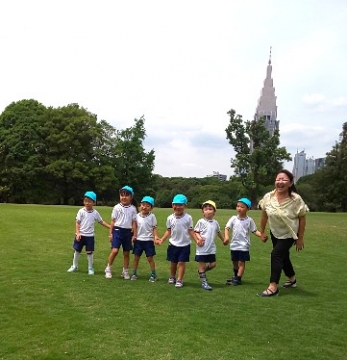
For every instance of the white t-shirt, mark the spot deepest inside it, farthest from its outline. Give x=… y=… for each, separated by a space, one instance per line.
x=123 y=216
x=208 y=229
x=179 y=227
x=86 y=219
x=145 y=226
x=241 y=228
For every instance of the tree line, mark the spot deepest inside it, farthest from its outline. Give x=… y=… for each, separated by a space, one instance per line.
x=53 y=155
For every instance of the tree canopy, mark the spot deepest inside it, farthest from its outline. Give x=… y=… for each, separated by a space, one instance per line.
x=258 y=155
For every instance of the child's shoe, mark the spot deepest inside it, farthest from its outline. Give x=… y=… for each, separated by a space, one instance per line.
x=133 y=277
x=235 y=281
x=73 y=268
x=108 y=273
x=126 y=275
x=90 y=271
x=153 y=278
x=179 y=284
x=229 y=281
x=206 y=286
x=171 y=280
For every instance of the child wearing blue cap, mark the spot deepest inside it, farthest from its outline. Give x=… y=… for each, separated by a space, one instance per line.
x=123 y=230
x=241 y=225
x=179 y=227
x=84 y=236
x=147 y=233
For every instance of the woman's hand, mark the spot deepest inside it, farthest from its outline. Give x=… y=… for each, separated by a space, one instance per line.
x=299 y=244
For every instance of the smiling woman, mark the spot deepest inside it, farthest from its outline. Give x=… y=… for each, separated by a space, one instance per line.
x=285 y=210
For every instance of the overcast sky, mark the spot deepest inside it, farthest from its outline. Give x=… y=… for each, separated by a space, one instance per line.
x=182 y=64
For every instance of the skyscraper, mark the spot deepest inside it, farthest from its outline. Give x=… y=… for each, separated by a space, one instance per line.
x=267 y=107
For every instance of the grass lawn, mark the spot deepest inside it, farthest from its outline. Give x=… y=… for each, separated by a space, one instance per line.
x=47 y=313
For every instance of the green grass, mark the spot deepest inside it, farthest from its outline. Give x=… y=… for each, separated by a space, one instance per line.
x=47 y=313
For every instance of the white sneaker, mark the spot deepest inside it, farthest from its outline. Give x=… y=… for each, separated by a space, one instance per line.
x=108 y=274
x=133 y=277
x=90 y=271
x=126 y=275
x=73 y=268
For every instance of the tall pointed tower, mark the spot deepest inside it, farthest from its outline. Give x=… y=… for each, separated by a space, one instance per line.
x=267 y=102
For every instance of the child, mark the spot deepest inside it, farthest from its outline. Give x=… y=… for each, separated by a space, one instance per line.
x=85 y=219
x=205 y=230
x=146 y=234
x=240 y=243
x=179 y=226
x=123 y=230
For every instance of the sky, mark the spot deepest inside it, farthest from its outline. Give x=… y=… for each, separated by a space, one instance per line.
x=182 y=65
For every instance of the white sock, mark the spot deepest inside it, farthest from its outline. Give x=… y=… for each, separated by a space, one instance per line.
x=90 y=260
x=76 y=257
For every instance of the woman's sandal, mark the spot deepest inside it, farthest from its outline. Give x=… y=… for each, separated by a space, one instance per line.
x=268 y=292
x=289 y=284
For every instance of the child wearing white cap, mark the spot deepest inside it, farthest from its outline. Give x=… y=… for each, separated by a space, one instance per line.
x=206 y=230
x=84 y=236
x=241 y=226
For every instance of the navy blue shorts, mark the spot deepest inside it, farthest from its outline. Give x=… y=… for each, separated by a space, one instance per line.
x=121 y=237
x=211 y=258
x=177 y=254
x=87 y=241
x=144 y=246
x=237 y=255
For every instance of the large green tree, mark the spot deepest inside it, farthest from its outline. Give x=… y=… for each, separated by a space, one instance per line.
x=331 y=180
x=258 y=155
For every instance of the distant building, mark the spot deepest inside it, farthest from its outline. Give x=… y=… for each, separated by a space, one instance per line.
x=267 y=107
x=303 y=166
x=219 y=176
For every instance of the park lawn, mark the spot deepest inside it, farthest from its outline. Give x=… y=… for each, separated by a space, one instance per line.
x=47 y=313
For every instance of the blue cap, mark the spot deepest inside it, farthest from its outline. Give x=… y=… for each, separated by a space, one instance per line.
x=91 y=195
x=148 y=199
x=180 y=199
x=246 y=201
x=128 y=189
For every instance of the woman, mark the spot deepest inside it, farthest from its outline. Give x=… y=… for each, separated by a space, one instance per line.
x=285 y=210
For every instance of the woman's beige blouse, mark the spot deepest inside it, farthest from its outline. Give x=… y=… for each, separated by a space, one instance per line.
x=283 y=218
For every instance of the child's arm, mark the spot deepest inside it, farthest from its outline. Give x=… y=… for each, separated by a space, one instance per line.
x=134 y=229
x=196 y=237
x=226 y=236
x=111 y=229
x=167 y=233
x=263 y=237
x=104 y=223
x=219 y=234
x=77 y=231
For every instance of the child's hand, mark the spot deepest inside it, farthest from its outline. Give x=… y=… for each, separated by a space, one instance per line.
x=200 y=242
x=264 y=238
x=225 y=242
x=110 y=237
x=158 y=241
x=133 y=239
x=78 y=236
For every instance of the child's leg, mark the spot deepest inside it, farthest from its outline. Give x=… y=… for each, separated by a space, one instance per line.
x=112 y=256
x=136 y=264
x=181 y=270
x=151 y=263
x=241 y=270
x=90 y=259
x=173 y=269
x=76 y=257
x=210 y=266
x=236 y=267
x=202 y=274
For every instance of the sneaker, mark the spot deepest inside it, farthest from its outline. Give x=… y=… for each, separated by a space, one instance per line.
x=229 y=281
x=90 y=271
x=108 y=274
x=206 y=286
x=289 y=284
x=235 y=282
x=73 y=268
x=126 y=275
x=171 y=280
x=153 y=278
x=179 y=284
x=133 y=277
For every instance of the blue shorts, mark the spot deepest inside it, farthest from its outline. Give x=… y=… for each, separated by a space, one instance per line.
x=87 y=241
x=211 y=258
x=144 y=246
x=237 y=255
x=121 y=237
x=177 y=254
